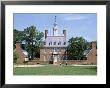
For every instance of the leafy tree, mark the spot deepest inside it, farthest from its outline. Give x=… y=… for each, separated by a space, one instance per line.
x=76 y=48
x=32 y=38
x=18 y=36
x=15 y=56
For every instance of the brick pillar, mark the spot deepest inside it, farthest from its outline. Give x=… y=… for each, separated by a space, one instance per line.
x=18 y=46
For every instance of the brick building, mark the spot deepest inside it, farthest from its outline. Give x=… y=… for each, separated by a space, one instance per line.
x=22 y=54
x=53 y=50
x=91 y=55
x=54 y=46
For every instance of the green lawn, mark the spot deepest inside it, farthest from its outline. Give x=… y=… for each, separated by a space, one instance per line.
x=56 y=70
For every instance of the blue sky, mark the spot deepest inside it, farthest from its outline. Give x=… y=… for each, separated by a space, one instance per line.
x=76 y=24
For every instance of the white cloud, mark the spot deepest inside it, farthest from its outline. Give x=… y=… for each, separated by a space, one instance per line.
x=78 y=16
x=75 y=17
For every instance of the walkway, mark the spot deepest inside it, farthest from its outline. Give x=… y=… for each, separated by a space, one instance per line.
x=28 y=66
x=48 y=65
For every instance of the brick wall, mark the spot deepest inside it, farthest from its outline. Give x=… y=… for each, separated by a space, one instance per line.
x=21 y=58
x=92 y=55
x=48 y=53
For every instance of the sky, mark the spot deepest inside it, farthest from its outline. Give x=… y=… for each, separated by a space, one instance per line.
x=76 y=24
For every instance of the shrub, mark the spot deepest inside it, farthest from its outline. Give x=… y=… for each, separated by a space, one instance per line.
x=15 y=56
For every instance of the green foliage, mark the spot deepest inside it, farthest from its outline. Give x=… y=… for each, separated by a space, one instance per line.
x=15 y=56
x=76 y=48
x=33 y=40
x=18 y=36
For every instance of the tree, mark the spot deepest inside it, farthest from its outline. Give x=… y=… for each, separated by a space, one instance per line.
x=15 y=56
x=76 y=48
x=32 y=38
x=18 y=36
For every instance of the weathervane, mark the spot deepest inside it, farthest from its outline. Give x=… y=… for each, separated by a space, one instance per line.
x=55 y=24
x=55 y=18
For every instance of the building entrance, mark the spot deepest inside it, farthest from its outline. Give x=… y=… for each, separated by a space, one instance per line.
x=55 y=58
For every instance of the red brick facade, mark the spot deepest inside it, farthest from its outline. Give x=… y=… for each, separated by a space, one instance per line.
x=90 y=58
x=22 y=57
x=92 y=55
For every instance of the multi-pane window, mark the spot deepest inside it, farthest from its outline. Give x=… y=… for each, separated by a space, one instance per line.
x=44 y=43
x=54 y=43
x=58 y=49
x=50 y=43
x=64 y=43
x=59 y=43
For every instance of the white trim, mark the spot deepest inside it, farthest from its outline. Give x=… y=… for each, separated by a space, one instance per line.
x=89 y=52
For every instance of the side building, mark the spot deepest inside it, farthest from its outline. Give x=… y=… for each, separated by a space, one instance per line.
x=90 y=55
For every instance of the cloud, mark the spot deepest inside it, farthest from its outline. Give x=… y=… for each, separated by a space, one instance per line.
x=75 y=18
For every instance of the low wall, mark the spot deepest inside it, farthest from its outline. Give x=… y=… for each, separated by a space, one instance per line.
x=82 y=62
x=69 y=62
x=37 y=62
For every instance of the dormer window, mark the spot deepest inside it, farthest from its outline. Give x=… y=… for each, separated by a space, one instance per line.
x=54 y=43
x=49 y=43
x=64 y=43
x=44 y=43
x=59 y=43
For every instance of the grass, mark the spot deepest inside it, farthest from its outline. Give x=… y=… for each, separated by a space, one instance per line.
x=56 y=70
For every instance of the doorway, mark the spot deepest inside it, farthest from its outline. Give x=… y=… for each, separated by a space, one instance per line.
x=55 y=58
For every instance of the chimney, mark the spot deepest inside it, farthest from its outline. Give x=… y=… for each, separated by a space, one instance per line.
x=64 y=32
x=46 y=32
x=18 y=45
x=93 y=45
